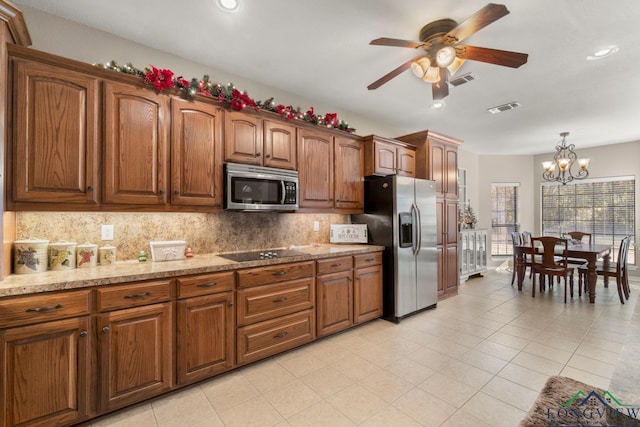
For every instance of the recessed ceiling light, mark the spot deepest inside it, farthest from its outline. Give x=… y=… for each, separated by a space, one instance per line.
x=228 y=5
x=603 y=53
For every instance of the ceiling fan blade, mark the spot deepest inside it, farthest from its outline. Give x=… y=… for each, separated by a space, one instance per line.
x=382 y=80
x=492 y=56
x=483 y=17
x=440 y=90
x=385 y=41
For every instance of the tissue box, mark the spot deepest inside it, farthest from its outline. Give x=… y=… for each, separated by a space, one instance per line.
x=348 y=233
x=167 y=250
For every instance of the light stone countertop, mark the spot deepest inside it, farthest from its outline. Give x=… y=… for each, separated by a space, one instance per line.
x=133 y=271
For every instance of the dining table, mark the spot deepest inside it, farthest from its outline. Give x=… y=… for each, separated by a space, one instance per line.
x=590 y=252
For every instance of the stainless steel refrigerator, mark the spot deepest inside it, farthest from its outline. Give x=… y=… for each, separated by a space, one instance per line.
x=400 y=213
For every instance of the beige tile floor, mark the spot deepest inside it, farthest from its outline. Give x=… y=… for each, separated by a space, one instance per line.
x=479 y=359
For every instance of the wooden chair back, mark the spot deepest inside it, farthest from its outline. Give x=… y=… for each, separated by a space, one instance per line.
x=579 y=235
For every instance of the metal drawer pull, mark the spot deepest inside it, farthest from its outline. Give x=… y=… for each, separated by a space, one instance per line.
x=106 y=329
x=83 y=334
x=206 y=285
x=140 y=295
x=279 y=273
x=283 y=299
x=41 y=309
x=281 y=334
x=369 y=259
x=336 y=265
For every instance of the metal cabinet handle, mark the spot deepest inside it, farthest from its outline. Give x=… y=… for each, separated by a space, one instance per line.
x=90 y=188
x=231 y=304
x=283 y=299
x=83 y=334
x=176 y=192
x=206 y=285
x=135 y=296
x=42 y=309
x=336 y=265
x=281 y=334
x=369 y=260
x=258 y=154
x=106 y=329
x=279 y=273
x=160 y=191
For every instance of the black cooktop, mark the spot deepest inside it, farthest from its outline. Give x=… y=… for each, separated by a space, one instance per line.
x=260 y=255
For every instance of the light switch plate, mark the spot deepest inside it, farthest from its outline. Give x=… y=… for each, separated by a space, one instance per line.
x=107 y=231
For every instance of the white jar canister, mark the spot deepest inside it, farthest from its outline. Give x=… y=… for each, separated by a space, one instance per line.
x=62 y=255
x=87 y=255
x=107 y=255
x=30 y=256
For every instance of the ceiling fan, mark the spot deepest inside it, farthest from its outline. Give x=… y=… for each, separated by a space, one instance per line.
x=442 y=53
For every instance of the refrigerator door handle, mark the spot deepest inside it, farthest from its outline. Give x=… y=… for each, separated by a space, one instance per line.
x=417 y=239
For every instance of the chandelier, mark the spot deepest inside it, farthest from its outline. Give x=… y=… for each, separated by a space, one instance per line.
x=563 y=161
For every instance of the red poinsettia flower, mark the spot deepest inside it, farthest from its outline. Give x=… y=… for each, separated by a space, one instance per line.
x=311 y=114
x=183 y=82
x=330 y=119
x=160 y=79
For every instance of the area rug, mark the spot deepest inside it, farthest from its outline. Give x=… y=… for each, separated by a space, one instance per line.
x=566 y=402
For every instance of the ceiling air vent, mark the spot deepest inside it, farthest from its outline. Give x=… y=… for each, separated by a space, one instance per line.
x=504 y=107
x=463 y=79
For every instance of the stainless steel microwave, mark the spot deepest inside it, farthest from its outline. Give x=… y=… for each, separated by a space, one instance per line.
x=257 y=188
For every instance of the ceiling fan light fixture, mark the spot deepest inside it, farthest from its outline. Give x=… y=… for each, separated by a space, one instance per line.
x=432 y=75
x=420 y=67
x=445 y=56
x=455 y=65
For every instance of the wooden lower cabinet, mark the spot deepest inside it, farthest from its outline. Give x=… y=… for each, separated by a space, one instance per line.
x=335 y=302
x=367 y=293
x=45 y=373
x=270 y=337
x=135 y=348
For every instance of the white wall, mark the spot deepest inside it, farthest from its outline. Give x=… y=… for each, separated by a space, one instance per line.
x=65 y=38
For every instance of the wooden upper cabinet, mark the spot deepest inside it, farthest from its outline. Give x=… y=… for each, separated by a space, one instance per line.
x=242 y=138
x=315 y=164
x=279 y=145
x=251 y=140
x=55 y=140
x=135 y=145
x=349 y=173
x=385 y=156
x=196 y=153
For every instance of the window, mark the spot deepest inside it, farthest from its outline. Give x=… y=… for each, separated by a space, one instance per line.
x=504 y=217
x=603 y=207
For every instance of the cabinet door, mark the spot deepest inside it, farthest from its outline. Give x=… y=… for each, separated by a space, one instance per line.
x=205 y=336
x=196 y=154
x=135 y=354
x=367 y=291
x=334 y=309
x=45 y=371
x=55 y=140
x=242 y=138
x=279 y=145
x=136 y=135
x=437 y=166
x=406 y=161
x=349 y=173
x=451 y=172
x=384 y=157
x=315 y=164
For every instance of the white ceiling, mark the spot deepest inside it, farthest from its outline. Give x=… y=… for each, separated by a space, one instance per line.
x=320 y=50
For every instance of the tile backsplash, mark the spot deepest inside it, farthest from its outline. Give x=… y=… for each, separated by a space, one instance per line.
x=204 y=233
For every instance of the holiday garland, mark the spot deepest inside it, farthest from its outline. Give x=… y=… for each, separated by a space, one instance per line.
x=238 y=100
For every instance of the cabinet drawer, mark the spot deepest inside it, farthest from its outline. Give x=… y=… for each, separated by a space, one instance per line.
x=367 y=260
x=267 y=338
x=333 y=265
x=133 y=295
x=266 y=302
x=204 y=284
x=43 y=307
x=274 y=274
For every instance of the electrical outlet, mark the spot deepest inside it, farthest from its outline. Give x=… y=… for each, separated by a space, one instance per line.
x=316 y=225
x=107 y=231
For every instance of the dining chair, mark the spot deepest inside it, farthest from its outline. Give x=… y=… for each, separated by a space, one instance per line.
x=549 y=264
x=516 y=239
x=579 y=235
x=619 y=271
